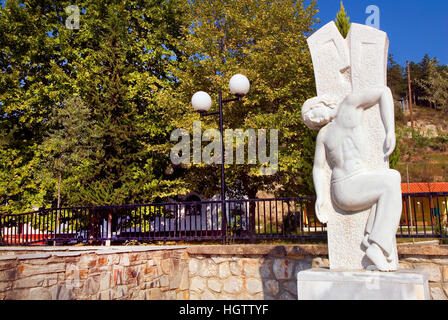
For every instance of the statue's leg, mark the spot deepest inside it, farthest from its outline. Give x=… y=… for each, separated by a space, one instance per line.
x=369 y=226
x=363 y=191
x=388 y=213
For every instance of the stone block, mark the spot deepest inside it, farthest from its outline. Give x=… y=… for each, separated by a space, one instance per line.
x=219 y=260
x=291 y=286
x=61 y=292
x=164 y=281
x=236 y=267
x=233 y=285
x=105 y=281
x=7 y=264
x=254 y=286
x=34 y=256
x=104 y=295
x=437 y=292
x=265 y=269
x=208 y=295
x=5 y=286
x=92 y=286
x=445 y=274
x=197 y=284
x=214 y=285
x=286 y=296
x=117 y=275
x=224 y=270
x=323 y=284
x=319 y=263
x=193 y=266
x=36 y=281
x=405 y=265
x=8 y=275
x=170 y=295
x=282 y=269
x=40 y=294
x=225 y=296
x=194 y=296
x=432 y=270
x=120 y=292
x=185 y=280
x=251 y=267
x=19 y=294
x=26 y=270
x=124 y=260
x=166 y=266
x=174 y=279
x=182 y=295
x=258 y=296
x=303 y=264
x=208 y=268
x=271 y=287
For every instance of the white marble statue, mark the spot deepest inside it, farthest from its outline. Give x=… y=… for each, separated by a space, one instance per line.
x=354 y=187
x=358 y=196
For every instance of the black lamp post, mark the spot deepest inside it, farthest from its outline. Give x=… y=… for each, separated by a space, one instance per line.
x=239 y=85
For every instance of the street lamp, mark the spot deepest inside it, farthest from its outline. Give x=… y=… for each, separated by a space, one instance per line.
x=239 y=86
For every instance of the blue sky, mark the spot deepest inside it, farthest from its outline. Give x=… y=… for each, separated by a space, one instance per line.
x=414 y=27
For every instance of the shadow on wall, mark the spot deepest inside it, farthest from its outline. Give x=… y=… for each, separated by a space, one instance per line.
x=279 y=268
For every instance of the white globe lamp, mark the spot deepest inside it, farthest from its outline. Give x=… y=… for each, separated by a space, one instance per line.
x=201 y=101
x=239 y=85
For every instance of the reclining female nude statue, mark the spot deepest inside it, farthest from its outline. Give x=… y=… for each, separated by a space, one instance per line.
x=355 y=187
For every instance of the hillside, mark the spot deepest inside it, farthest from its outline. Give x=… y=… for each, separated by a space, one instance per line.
x=424 y=150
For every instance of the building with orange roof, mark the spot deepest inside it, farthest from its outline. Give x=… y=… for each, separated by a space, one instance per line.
x=422 y=205
x=424 y=187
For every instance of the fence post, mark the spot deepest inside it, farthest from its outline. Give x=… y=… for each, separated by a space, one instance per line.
x=109 y=229
x=1 y=229
x=224 y=221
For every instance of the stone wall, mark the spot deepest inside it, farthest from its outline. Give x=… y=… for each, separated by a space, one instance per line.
x=250 y=272
x=269 y=272
x=125 y=273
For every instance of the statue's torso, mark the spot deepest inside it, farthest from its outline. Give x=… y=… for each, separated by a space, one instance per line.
x=344 y=143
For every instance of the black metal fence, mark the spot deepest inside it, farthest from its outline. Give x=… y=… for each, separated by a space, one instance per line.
x=424 y=216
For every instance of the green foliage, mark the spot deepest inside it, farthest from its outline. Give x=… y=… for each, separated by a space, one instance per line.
x=110 y=146
x=396 y=78
x=342 y=21
x=86 y=114
x=435 y=86
x=266 y=41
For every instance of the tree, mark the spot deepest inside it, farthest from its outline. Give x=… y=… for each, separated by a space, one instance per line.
x=342 y=21
x=117 y=64
x=396 y=79
x=436 y=86
x=266 y=41
x=27 y=93
x=68 y=145
x=127 y=56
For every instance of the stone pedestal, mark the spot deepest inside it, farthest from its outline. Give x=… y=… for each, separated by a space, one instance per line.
x=325 y=284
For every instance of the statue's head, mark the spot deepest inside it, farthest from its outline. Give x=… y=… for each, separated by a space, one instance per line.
x=318 y=111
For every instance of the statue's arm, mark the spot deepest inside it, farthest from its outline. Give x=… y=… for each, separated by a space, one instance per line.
x=377 y=95
x=319 y=175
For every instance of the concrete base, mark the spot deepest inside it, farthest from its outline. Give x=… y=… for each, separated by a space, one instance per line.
x=325 y=284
